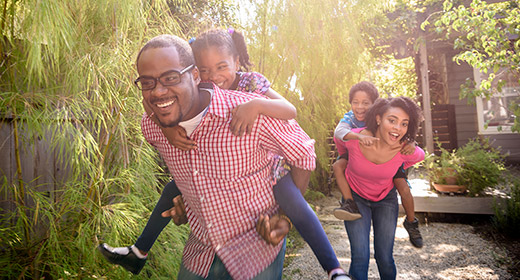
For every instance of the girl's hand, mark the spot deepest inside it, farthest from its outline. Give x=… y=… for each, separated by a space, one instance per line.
x=243 y=117
x=176 y=135
x=408 y=148
x=367 y=140
x=178 y=138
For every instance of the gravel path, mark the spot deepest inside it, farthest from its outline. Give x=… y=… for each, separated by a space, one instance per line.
x=451 y=251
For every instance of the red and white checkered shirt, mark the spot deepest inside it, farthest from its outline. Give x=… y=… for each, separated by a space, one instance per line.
x=227 y=183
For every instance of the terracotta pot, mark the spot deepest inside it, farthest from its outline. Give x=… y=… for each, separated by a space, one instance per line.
x=450 y=176
x=449 y=188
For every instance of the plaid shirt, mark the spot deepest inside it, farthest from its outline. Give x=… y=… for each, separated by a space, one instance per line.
x=227 y=183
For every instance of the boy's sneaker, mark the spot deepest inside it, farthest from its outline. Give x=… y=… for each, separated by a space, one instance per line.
x=130 y=261
x=413 y=231
x=348 y=211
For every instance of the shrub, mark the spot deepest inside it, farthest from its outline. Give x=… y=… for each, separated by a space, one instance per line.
x=507 y=219
x=475 y=165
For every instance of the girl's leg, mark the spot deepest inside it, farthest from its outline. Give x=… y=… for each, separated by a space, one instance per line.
x=384 y=217
x=359 y=237
x=156 y=222
x=305 y=221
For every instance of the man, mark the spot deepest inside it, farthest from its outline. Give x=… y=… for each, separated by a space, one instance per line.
x=226 y=182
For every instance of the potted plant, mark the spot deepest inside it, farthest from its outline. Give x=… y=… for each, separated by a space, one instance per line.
x=472 y=168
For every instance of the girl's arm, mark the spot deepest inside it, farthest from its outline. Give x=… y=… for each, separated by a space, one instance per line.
x=176 y=135
x=244 y=115
x=277 y=106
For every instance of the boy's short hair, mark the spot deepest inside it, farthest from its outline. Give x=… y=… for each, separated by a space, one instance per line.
x=365 y=86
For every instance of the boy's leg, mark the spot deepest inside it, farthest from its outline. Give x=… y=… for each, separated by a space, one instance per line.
x=406 y=198
x=133 y=258
x=411 y=224
x=339 y=167
x=348 y=210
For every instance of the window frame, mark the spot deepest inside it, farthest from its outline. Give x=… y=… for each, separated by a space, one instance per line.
x=482 y=130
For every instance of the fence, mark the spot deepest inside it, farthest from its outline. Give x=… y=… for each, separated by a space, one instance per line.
x=444 y=128
x=27 y=163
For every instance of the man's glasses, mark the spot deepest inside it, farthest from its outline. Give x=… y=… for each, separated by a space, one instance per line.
x=169 y=78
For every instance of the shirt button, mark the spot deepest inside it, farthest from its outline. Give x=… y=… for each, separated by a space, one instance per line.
x=218 y=247
x=209 y=225
x=195 y=172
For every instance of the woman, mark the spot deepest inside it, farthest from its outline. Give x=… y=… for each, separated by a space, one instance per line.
x=370 y=173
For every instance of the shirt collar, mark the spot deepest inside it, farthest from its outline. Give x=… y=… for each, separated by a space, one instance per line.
x=218 y=104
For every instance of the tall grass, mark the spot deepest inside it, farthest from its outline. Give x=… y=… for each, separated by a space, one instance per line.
x=313 y=52
x=65 y=76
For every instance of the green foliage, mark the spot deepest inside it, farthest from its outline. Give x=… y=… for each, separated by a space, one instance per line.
x=311 y=195
x=396 y=77
x=475 y=165
x=507 y=219
x=66 y=78
x=312 y=58
x=485 y=35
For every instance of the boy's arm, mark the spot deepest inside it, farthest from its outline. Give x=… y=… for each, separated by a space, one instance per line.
x=244 y=115
x=408 y=148
x=344 y=132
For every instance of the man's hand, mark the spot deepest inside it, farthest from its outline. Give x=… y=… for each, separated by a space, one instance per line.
x=408 y=148
x=273 y=230
x=367 y=140
x=177 y=212
x=178 y=138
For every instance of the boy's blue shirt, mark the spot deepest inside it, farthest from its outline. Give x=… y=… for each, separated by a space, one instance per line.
x=350 y=119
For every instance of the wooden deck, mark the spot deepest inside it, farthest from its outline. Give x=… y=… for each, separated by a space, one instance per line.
x=433 y=202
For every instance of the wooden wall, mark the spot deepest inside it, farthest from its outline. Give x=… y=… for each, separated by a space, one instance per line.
x=466 y=114
x=39 y=165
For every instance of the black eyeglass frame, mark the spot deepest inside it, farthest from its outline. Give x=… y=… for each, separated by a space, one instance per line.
x=158 y=79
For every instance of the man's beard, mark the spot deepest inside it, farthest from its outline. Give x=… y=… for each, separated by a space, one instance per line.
x=172 y=124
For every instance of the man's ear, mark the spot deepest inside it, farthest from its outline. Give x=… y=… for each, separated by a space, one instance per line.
x=196 y=75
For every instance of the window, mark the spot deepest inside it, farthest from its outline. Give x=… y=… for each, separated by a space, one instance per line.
x=494 y=115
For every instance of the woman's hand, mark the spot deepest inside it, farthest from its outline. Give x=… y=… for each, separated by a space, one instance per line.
x=243 y=117
x=178 y=138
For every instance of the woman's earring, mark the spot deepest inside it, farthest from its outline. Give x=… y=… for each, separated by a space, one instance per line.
x=378 y=123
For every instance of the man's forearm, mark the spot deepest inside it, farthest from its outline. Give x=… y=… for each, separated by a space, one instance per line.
x=301 y=178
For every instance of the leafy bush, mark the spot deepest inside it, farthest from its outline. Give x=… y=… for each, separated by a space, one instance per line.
x=507 y=219
x=475 y=165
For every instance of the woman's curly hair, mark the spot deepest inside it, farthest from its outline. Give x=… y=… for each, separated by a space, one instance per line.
x=383 y=104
